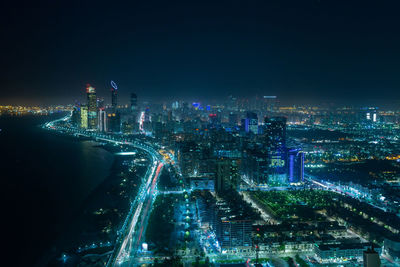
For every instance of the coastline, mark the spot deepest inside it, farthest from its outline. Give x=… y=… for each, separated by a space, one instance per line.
x=101 y=214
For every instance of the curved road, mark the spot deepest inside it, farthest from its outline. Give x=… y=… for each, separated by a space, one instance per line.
x=130 y=236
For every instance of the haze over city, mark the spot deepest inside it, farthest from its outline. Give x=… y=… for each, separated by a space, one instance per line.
x=200 y=133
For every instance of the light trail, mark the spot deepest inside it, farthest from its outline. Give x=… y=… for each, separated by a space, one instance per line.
x=143 y=200
x=126 y=153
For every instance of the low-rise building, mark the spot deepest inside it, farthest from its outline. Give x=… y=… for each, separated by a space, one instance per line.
x=328 y=253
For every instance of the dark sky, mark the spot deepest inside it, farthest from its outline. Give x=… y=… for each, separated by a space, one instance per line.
x=302 y=50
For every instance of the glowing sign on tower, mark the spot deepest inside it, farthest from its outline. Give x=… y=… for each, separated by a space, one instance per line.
x=114 y=85
x=90 y=89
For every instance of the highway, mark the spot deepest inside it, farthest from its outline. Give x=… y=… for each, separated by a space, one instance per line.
x=130 y=236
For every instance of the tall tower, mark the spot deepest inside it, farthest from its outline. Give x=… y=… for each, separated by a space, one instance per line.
x=114 y=89
x=251 y=123
x=92 y=107
x=84 y=117
x=102 y=120
x=133 y=102
x=275 y=140
x=275 y=132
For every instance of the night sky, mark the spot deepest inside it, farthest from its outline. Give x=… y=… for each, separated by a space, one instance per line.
x=303 y=50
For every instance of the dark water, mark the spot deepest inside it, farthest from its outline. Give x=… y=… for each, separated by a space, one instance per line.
x=45 y=179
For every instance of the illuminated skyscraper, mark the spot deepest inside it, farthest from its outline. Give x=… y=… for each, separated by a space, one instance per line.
x=275 y=140
x=102 y=120
x=114 y=99
x=113 y=122
x=275 y=132
x=100 y=102
x=251 y=123
x=84 y=117
x=91 y=107
x=295 y=166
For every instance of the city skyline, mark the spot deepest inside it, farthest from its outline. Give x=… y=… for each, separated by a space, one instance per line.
x=200 y=134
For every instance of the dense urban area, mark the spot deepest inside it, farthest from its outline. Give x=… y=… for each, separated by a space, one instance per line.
x=243 y=181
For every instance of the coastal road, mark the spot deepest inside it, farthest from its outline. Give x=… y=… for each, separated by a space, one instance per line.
x=130 y=236
x=125 y=255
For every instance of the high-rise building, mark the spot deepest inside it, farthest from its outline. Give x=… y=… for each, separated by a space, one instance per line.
x=227 y=175
x=114 y=100
x=100 y=102
x=251 y=123
x=102 y=120
x=295 y=166
x=84 y=117
x=275 y=132
x=92 y=107
x=113 y=122
x=134 y=106
x=275 y=141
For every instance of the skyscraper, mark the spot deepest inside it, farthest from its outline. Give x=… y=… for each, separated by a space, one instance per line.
x=226 y=174
x=84 y=117
x=251 y=123
x=275 y=141
x=92 y=107
x=295 y=166
x=275 y=132
x=102 y=120
x=114 y=99
x=133 y=102
x=113 y=122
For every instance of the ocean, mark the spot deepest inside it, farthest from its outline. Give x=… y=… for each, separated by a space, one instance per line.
x=46 y=178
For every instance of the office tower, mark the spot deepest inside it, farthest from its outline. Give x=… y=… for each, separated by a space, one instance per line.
x=100 y=102
x=251 y=123
x=102 y=120
x=113 y=122
x=91 y=107
x=134 y=106
x=295 y=166
x=227 y=175
x=114 y=99
x=275 y=141
x=275 y=132
x=84 y=117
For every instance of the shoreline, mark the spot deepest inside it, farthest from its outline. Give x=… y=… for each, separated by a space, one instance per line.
x=85 y=226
